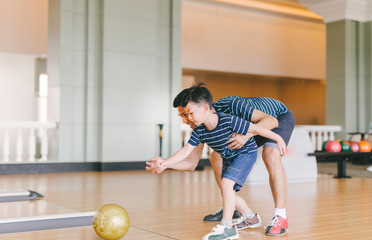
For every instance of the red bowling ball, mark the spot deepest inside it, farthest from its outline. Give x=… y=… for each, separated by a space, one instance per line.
x=333 y=146
x=354 y=146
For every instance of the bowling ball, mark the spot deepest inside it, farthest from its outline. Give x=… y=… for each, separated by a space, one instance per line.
x=323 y=146
x=354 y=146
x=111 y=222
x=333 y=146
x=345 y=146
x=364 y=146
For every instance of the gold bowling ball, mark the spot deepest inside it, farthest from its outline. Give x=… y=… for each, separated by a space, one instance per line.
x=111 y=222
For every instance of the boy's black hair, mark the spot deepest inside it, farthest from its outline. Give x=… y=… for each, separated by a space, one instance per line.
x=177 y=102
x=197 y=94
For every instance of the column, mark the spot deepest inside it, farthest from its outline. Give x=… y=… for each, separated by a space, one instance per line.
x=348 y=94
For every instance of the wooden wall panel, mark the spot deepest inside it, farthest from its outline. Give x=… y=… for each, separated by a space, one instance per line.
x=304 y=97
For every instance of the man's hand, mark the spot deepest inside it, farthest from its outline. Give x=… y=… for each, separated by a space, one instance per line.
x=157 y=165
x=282 y=147
x=238 y=140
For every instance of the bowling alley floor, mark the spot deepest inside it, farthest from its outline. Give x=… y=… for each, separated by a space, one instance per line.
x=172 y=205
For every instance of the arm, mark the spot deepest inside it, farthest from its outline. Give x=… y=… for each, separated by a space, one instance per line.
x=258 y=130
x=159 y=164
x=262 y=119
x=188 y=164
x=179 y=155
x=191 y=162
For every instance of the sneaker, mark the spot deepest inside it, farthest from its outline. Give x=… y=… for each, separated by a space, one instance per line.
x=277 y=226
x=369 y=169
x=219 y=232
x=245 y=222
x=217 y=216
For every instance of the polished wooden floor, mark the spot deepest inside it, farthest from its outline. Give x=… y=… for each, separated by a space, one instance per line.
x=172 y=205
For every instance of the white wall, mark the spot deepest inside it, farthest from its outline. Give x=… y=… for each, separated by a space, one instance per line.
x=23 y=31
x=17 y=74
x=224 y=38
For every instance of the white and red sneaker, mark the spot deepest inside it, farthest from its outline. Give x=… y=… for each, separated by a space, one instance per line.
x=277 y=226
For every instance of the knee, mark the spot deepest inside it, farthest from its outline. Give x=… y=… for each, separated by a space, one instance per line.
x=227 y=184
x=215 y=159
x=272 y=158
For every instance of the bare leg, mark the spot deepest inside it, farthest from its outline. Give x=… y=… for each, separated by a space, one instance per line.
x=228 y=195
x=278 y=178
x=241 y=205
x=216 y=163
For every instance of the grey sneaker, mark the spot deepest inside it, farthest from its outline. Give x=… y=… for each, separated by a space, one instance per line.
x=245 y=222
x=217 y=216
x=219 y=232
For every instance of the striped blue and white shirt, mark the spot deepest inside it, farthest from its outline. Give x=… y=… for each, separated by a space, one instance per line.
x=217 y=138
x=243 y=107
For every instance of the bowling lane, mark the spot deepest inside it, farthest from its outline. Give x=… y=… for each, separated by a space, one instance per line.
x=81 y=233
x=31 y=208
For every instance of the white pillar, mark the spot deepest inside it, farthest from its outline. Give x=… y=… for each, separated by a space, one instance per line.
x=313 y=138
x=6 y=146
x=31 y=146
x=319 y=140
x=44 y=146
x=19 y=146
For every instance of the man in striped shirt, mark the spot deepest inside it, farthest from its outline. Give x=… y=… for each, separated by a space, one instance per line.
x=247 y=108
x=216 y=129
x=268 y=113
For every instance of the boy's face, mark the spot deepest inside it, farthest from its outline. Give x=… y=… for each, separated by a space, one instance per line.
x=197 y=112
x=185 y=116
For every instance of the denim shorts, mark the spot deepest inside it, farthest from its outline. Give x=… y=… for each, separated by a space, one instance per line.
x=286 y=123
x=238 y=168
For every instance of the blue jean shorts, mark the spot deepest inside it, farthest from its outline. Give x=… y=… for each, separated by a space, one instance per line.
x=237 y=169
x=286 y=123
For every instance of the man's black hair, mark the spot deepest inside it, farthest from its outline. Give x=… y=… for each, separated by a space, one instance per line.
x=197 y=94
x=177 y=102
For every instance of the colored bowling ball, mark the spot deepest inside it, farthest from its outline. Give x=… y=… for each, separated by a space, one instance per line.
x=333 y=146
x=354 y=146
x=111 y=222
x=364 y=146
x=345 y=146
x=323 y=146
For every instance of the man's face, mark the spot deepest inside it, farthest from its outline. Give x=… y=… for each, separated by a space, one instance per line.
x=185 y=117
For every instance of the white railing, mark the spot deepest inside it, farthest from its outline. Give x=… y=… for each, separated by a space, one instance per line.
x=13 y=137
x=321 y=133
